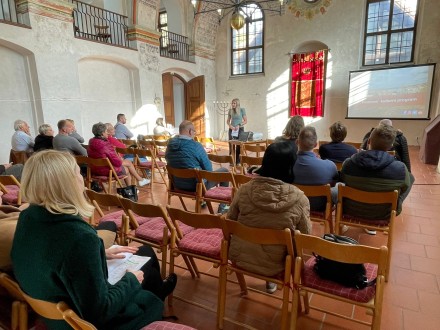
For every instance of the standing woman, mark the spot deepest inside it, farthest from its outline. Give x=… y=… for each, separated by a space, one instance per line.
x=236 y=121
x=57 y=256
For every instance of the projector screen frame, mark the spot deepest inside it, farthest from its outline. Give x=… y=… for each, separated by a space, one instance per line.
x=394 y=68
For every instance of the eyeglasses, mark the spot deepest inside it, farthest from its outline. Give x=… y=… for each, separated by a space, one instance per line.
x=192 y=129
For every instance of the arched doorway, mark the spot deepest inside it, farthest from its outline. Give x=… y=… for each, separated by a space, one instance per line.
x=184 y=100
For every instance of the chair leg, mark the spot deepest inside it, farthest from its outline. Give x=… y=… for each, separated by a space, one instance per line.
x=170 y=296
x=211 y=210
x=183 y=203
x=221 y=296
x=296 y=305
x=242 y=284
x=23 y=316
x=189 y=266
x=378 y=301
x=163 y=270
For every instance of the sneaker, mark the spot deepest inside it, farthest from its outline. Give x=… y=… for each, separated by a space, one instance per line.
x=203 y=205
x=344 y=229
x=370 y=232
x=144 y=182
x=222 y=208
x=271 y=287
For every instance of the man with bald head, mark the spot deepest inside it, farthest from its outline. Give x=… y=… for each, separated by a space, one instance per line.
x=376 y=170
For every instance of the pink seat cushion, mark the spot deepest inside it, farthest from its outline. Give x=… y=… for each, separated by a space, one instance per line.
x=221 y=193
x=148 y=164
x=311 y=279
x=205 y=242
x=152 y=229
x=162 y=325
x=12 y=196
x=116 y=217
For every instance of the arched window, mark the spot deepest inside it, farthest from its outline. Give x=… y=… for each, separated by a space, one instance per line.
x=247 y=44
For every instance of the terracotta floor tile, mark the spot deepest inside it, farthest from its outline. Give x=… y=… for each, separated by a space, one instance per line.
x=429 y=303
x=416 y=280
x=401 y=260
x=423 y=239
x=426 y=265
x=409 y=248
x=432 y=252
x=413 y=320
x=400 y=296
x=392 y=317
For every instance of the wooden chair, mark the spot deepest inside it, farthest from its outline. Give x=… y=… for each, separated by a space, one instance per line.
x=339 y=165
x=111 y=178
x=203 y=243
x=248 y=161
x=110 y=201
x=18 y=157
x=372 y=198
x=129 y=143
x=253 y=149
x=160 y=148
x=19 y=311
x=305 y=279
x=242 y=179
x=217 y=194
x=269 y=141
x=149 y=224
x=324 y=217
x=262 y=237
x=161 y=137
x=11 y=190
x=151 y=165
x=101 y=33
x=189 y=173
x=222 y=159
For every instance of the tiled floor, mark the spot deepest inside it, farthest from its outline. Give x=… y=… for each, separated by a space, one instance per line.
x=412 y=295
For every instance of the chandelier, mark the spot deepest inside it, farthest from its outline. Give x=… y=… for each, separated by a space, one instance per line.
x=239 y=16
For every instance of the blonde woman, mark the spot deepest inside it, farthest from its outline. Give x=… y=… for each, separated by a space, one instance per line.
x=57 y=256
x=237 y=118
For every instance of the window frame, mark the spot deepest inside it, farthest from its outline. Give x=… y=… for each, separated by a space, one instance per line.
x=247 y=48
x=388 y=33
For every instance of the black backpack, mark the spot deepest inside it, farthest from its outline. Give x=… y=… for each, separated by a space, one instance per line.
x=349 y=275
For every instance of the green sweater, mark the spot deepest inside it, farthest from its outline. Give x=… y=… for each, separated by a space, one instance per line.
x=60 y=258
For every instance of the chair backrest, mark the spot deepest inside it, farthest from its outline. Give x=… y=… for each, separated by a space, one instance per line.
x=258 y=149
x=368 y=197
x=144 y=153
x=161 y=137
x=104 y=162
x=125 y=151
x=216 y=177
x=221 y=159
x=161 y=143
x=269 y=142
x=147 y=144
x=196 y=220
x=144 y=210
x=18 y=157
x=128 y=142
x=262 y=236
x=247 y=161
x=102 y=199
x=241 y=179
x=8 y=180
x=347 y=253
x=49 y=310
x=183 y=173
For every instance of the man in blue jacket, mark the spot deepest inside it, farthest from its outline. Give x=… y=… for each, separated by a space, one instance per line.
x=184 y=152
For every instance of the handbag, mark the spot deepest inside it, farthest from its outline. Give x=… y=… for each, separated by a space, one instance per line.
x=349 y=275
x=129 y=192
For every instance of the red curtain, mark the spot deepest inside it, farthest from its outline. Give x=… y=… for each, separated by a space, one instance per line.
x=308 y=75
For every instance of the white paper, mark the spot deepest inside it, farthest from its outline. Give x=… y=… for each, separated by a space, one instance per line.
x=118 y=267
x=234 y=133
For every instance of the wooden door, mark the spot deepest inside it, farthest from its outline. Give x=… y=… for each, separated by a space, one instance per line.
x=168 y=98
x=195 y=103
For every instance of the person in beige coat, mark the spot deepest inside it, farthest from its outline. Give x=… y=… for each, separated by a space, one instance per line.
x=269 y=201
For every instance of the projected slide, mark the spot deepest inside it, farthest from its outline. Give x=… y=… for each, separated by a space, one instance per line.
x=399 y=93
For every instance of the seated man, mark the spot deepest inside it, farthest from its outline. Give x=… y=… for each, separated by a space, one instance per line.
x=64 y=142
x=22 y=139
x=309 y=170
x=121 y=131
x=9 y=169
x=184 y=152
x=74 y=132
x=400 y=145
x=376 y=170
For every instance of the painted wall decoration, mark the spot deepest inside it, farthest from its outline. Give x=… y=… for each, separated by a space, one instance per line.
x=147 y=13
x=303 y=9
x=149 y=57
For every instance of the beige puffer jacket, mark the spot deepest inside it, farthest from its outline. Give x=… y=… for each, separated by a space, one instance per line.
x=267 y=203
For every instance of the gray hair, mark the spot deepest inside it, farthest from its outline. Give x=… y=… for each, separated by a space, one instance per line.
x=18 y=124
x=44 y=128
x=387 y=122
x=98 y=129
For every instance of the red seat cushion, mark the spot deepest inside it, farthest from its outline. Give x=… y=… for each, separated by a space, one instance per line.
x=148 y=164
x=311 y=279
x=163 y=325
x=116 y=217
x=12 y=196
x=152 y=229
x=205 y=242
x=221 y=193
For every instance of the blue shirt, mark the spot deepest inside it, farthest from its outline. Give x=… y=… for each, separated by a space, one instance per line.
x=22 y=142
x=336 y=151
x=122 y=132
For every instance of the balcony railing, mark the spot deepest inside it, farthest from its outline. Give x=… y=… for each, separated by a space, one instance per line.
x=175 y=46
x=94 y=23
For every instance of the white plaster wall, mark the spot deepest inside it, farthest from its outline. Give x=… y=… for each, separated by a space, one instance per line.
x=266 y=96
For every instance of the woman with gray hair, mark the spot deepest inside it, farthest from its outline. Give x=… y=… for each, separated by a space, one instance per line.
x=100 y=147
x=44 y=139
